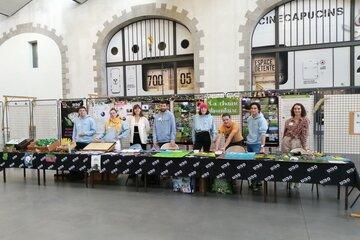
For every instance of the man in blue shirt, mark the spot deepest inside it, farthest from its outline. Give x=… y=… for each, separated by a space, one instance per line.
x=255 y=140
x=258 y=126
x=164 y=130
x=84 y=129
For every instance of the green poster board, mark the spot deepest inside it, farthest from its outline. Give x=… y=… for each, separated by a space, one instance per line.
x=218 y=106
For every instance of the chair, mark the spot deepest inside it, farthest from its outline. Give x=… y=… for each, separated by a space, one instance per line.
x=168 y=146
x=238 y=149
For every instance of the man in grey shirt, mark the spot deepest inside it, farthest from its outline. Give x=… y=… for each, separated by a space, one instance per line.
x=164 y=126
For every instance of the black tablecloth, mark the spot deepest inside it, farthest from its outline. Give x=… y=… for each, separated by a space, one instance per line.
x=342 y=174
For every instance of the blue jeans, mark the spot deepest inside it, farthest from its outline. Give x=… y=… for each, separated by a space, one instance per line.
x=255 y=147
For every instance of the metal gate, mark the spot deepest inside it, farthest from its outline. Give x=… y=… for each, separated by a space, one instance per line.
x=45 y=118
x=18 y=119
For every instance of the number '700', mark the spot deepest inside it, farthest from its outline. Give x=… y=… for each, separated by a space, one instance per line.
x=155 y=80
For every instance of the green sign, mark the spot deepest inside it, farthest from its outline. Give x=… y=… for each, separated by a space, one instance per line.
x=218 y=106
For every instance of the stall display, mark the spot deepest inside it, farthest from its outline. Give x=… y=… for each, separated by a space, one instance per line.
x=203 y=154
x=66 y=145
x=103 y=147
x=17 y=144
x=239 y=155
x=171 y=154
x=69 y=112
x=270 y=110
x=184 y=112
x=150 y=109
x=44 y=145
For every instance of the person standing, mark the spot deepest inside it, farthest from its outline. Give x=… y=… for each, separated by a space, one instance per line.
x=203 y=130
x=84 y=129
x=164 y=130
x=258 y=126
x=231 y=131
x=139 y=127
x=296 y=130
x=256 y=138
x=115 y=129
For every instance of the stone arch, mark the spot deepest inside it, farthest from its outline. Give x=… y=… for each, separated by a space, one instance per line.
x=246 y=30
x=137 y=13
x=51 y=33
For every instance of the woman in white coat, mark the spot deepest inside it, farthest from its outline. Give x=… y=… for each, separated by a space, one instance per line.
x=139 y=127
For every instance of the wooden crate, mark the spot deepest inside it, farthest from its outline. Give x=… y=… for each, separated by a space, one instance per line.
x=50 y=148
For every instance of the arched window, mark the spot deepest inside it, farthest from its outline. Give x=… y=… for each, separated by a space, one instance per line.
x=150 y=57
x=306 y=44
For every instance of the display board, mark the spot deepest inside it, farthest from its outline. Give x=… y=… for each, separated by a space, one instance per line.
x=270 y=109
x=149 y=110
x=285 y=105
x=184 y=112
x=99 y=109
x=337 y=138
x=18 y=119
x=1 y=124
x=45 y=116
x=69 y=112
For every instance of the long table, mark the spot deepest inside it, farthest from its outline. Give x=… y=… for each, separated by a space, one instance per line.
x=324 y=173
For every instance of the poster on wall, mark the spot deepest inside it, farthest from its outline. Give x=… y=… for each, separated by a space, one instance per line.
x=69 y=112
x=124 y=108
x=354 y=123
x=184 y=112
x=263 y=72
x=218 y=106
x=99 y=110
x=270 y=110
x=150 y=109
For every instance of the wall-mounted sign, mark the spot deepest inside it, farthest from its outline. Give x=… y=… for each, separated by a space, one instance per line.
x=185 y=78
x=218 y=106
x=263 y=72
x=159 y=80
x=354 y=123
x=304 y=22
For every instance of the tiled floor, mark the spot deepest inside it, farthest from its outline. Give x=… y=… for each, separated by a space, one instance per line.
x=70 y=211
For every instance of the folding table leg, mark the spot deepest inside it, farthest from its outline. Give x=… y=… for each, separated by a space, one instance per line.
x=38 y=176
x=24 y=173
x=338 y=192
x=92 y=179
x=241 y=186
x=265 y=190
x=137 y=182
x=86 y=179
x=145 y=182
x=317 y=191
x=4 y=174
x=346 y=197
x=44 y=177
x=275 y=192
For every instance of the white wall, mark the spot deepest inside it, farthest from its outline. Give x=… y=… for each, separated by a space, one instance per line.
x=78 y=24
x=17 y=75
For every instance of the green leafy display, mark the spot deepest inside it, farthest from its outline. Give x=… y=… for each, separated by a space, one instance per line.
x=45 y=142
